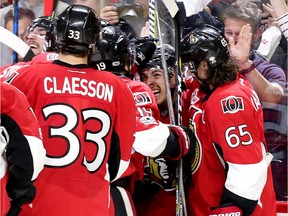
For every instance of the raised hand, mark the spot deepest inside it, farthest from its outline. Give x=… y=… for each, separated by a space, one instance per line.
x=240 y=49
x=110 y=14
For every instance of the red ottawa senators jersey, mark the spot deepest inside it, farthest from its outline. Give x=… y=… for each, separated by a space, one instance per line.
x=88 y=123
x=21 y=147
x=46 y=57
x=10 y=71
x=231 y=150
x=162 y=172
x=151 y=135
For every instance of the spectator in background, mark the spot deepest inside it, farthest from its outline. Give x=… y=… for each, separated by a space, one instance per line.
x=135 y=14
x=281 y=12
x=37 y=6
x=273 y=47
x=24 y=20
x=21 y=151
x=267 y=79
x=216 y=8
x=273 y=44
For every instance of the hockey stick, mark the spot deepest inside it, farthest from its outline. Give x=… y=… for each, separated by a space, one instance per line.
x=154 y=28
x=180 y=194
x=151 y=10
x=54 y=9
x=178 y=99
x=15 y=26
x=154 y=17
x=16 y=44
x=164 y=65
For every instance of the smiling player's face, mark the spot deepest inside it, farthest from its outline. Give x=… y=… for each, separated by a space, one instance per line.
x=154 y=78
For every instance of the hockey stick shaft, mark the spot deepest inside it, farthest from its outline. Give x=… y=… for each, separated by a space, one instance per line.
x=173 y=9
x=154 y=18
x=15 y=27
x=164 y=65
x=178 y=99
x=152 y=26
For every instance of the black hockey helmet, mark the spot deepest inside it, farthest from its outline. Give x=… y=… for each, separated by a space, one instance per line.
x=42 y=21
x=125 y=27
x=39 y=26
x=169 y=56
x=116 y=50
x=43 y=27
x=77 y=29
x=207 y=43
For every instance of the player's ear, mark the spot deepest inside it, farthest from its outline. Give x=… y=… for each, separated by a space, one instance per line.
x=204 y=65
x=203 y=70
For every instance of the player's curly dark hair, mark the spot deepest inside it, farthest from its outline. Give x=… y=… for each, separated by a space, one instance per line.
x=224 y=73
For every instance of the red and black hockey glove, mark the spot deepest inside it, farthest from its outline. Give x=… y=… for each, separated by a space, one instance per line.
x=180 y=142
x=228 y=210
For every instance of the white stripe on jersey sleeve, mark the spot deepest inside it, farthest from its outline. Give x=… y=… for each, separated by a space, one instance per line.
x=126 y=201
x=38 y=154
x=247 y=180
x=4 y=139
x=123 y=165
x=153 y=141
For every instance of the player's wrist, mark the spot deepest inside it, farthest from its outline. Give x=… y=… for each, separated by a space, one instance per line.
x=246 y=67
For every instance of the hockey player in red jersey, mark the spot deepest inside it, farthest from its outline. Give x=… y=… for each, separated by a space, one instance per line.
x=155 y=194
x=88 y=122
x=231 y=171
x=21 y=151
x=152 y=74
x=152 y=138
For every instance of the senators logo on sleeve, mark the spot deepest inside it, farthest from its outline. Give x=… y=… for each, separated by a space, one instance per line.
x=232 y=104
x=142 y=98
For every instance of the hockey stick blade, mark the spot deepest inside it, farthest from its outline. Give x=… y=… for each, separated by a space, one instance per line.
x=16 y=44
x=171 y=6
